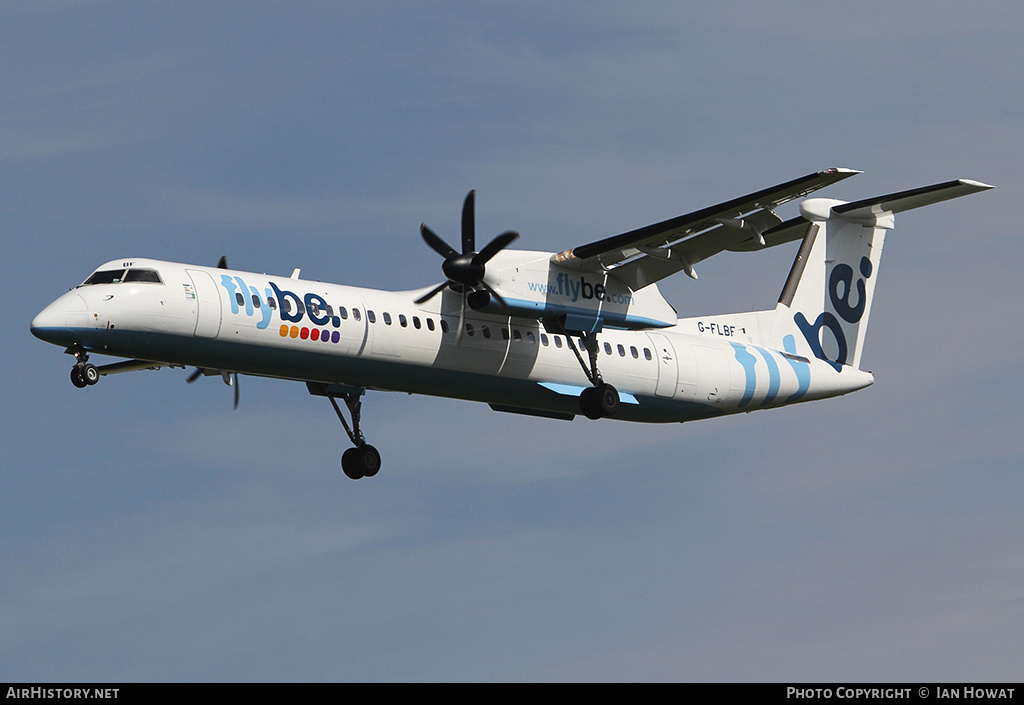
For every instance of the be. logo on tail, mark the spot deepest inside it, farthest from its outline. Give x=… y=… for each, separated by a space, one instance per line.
x=841 y=285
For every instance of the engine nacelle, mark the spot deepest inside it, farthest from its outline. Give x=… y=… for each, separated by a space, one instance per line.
x=535 y=287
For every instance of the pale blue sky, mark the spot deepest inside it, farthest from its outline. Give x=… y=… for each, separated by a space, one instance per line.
x=147 y=532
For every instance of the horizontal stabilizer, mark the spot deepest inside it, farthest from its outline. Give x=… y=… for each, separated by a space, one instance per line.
x=872 y=208
x=868 y=211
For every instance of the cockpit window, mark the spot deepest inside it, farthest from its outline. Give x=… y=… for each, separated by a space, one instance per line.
x=142 y=275
x=105 y=276
x=116 y=276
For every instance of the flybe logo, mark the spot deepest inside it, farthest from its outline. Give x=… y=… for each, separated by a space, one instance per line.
x=289 y=306
x=574 y=290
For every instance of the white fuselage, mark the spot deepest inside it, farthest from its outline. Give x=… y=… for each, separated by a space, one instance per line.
x=311 y=331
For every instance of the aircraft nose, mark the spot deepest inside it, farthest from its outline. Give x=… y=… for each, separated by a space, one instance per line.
x=51 y=324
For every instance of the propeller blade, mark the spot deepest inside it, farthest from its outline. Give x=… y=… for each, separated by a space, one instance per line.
x=462 y=317
x=495 y=246
x=436 y=243
x=235 y=385
x=195 y=375
x=469 y=223
x=223 y=263
x=465 y=270
x=433 y=292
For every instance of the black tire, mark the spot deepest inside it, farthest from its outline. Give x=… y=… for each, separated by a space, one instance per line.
x=350 y=464
x=590 y=404
x=76 y=377
x=360 y=462
x=90 y=374
x=608 y=399
x=369 y=460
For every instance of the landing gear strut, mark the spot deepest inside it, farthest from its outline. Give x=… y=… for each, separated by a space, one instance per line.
x=602 y=399
x=84 y=373
x=363 y=460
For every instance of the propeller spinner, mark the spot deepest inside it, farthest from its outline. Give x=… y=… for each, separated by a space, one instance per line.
x=465 y=271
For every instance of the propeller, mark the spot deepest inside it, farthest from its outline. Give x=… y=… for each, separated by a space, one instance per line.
x=230 y=378
x=465 y=270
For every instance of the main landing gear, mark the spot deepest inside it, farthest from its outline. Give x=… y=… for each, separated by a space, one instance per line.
x=363 y=460
x=84 y=373
x=602 y=399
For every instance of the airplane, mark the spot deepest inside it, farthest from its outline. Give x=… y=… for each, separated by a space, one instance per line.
x=584 y=331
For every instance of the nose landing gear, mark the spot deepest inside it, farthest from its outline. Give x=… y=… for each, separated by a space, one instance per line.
x=84 y=373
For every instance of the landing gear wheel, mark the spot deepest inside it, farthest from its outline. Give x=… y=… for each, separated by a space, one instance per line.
x=608 y=397
x=360 y=462
x=77 y=378
x=90 y=374
x=589 y=403
x=600 y=401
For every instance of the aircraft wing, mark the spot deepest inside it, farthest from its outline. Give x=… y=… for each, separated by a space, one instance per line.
x=646 y=255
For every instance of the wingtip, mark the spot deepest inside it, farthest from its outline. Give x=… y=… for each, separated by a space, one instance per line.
x=976 y=184
x=843 y=170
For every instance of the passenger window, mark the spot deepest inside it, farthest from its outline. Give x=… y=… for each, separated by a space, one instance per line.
x=286 y=305
x=469 y=329
x=607 y=348
x=444 y=326
x=239 y=298
x=558 y=341
x=544 y=339
x=647 y=354
x=486 y=331
x=255 y=301
x=531 y=338
x=430 y=324
x=403 y=321
x=356 y=315
x=272 y=302
x=343 y=312
x=371 y=316
x=622 y=351
x=504 y=333
x=387 y=318
x=516 y=335
x=633 y=352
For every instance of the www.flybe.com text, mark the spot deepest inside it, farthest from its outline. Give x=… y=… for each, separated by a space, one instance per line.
x=564 y=285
